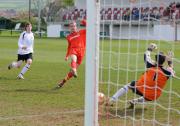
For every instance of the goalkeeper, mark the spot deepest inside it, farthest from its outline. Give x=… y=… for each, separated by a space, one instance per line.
x=76 y=50
x=150 y=84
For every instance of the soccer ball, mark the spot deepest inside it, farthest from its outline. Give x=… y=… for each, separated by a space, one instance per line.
x=101 y=98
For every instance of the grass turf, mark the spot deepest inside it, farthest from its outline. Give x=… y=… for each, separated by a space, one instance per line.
x=32 y=102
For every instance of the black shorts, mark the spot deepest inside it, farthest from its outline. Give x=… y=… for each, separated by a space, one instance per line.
x=135 y=90
x=25 y=57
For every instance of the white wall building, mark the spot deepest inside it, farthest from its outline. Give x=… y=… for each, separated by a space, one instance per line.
x=125 y=31
x=53 y=30
x=144 y=31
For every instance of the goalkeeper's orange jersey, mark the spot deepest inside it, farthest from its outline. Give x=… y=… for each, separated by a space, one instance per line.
x=152 y=82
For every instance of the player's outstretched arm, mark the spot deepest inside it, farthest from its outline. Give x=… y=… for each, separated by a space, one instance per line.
x=83 y=22
x=20 y=41
x=67 y=53
x=169 y=60
x=66 y=58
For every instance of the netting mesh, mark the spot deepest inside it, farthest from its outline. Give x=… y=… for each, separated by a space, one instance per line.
x=127 y=28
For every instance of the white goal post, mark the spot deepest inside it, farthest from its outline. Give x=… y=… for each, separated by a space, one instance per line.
x=92 y=63
x=177 y=26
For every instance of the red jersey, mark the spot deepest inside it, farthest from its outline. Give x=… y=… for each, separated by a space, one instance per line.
x=152 y=82
x=76 y=43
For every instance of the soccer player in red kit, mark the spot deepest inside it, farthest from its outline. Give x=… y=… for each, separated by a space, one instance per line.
x=75 y=51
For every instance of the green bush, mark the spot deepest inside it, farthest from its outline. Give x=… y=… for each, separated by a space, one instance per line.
x=11 y=23
x=6 y=23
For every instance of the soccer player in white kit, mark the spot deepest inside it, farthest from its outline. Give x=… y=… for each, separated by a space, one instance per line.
x=25 y=51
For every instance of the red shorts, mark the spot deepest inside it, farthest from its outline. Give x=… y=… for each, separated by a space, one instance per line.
x=79 y=53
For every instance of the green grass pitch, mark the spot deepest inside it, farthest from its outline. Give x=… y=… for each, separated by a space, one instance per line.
x=33 y=102
x=34 y=96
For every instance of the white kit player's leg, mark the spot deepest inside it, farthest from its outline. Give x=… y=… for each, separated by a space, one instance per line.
x=120 y=92
x=15 y=64
x=25 y=69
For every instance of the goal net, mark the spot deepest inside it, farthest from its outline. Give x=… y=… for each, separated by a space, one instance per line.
x=127 y=27
x=177 y=29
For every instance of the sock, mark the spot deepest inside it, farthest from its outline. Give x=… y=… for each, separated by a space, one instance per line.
x=25 y=68
x=69 y=76
x=120 y=92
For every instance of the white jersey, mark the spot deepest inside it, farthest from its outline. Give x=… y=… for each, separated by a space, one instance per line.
x=147 y=59
x=26 y=40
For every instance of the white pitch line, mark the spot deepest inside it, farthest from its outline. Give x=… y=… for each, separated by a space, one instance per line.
x=40 y=115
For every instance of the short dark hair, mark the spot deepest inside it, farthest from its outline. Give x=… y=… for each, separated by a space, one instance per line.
x=160 y=58
x=26 y=24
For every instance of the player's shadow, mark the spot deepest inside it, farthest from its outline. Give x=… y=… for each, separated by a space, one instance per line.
x=128 y=112
x=36 y=90
x=46 y=91
x=6 y=78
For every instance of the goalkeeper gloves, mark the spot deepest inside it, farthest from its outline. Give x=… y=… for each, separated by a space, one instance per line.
x=170 y=54
x=169 y=57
